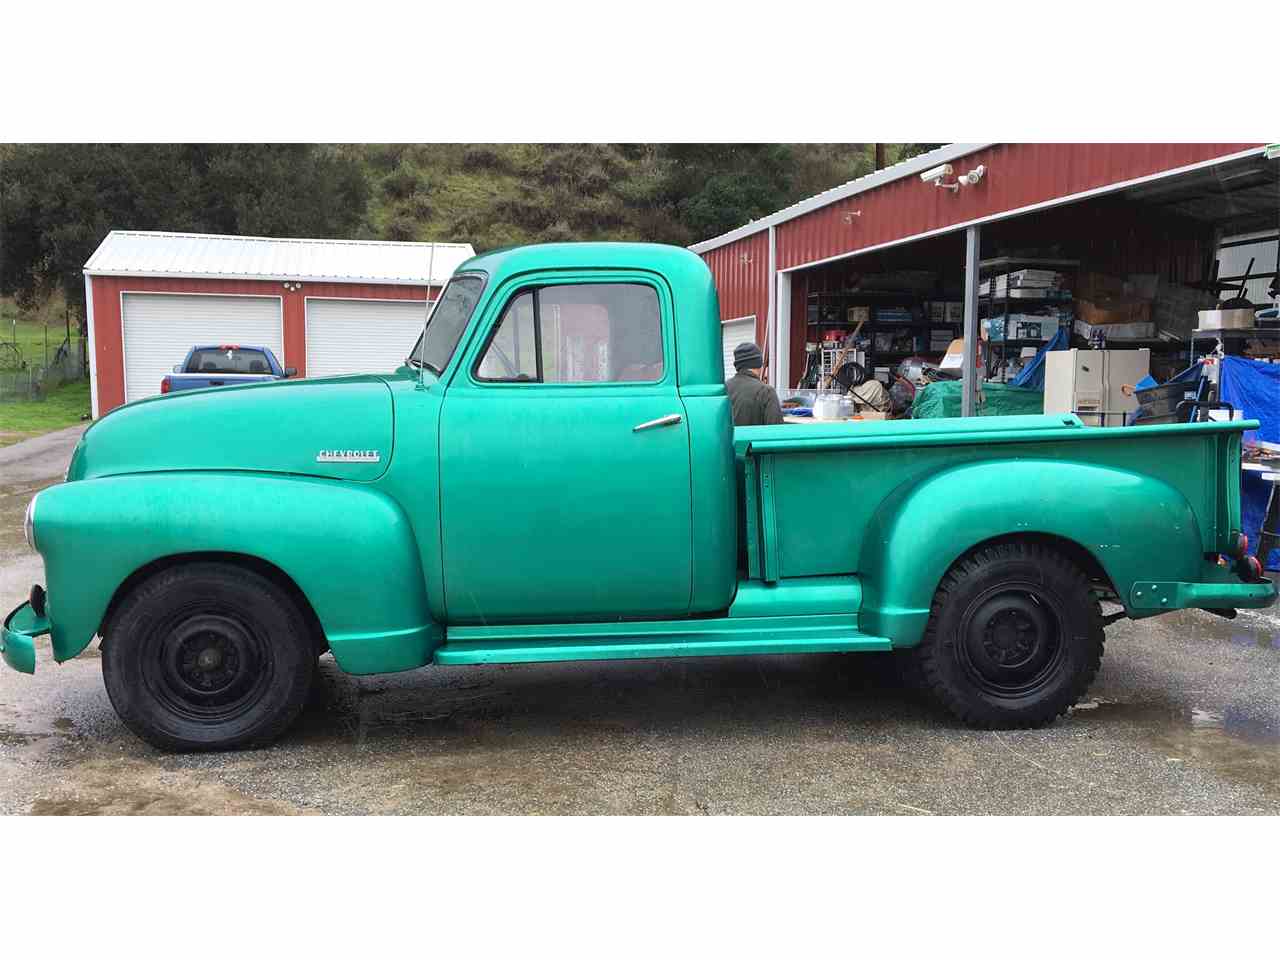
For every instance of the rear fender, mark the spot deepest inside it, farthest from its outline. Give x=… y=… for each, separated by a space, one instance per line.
x=349 y=549
x=1127 y=522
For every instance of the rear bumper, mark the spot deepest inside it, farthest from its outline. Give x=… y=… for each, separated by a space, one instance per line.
x=1148 y=597
x=17 y=638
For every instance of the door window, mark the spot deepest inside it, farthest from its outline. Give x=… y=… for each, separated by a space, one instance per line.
x=578 y=333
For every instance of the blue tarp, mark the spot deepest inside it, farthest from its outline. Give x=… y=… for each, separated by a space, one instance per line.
x=1032 y=374
x=1254 y=387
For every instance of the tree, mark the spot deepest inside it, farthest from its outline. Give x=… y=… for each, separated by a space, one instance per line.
x=57 y=202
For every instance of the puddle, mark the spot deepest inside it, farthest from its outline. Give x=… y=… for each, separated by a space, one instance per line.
x=1233 y=744
x=25 y=733
x=117 y=786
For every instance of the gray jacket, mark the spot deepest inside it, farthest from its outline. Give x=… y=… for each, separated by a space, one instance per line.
x=754 y=403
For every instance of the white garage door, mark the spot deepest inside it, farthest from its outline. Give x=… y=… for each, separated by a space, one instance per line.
x=734 y=332
x=159 y=329
x=361 y=336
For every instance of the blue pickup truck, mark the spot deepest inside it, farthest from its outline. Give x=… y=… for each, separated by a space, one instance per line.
x=223 y=365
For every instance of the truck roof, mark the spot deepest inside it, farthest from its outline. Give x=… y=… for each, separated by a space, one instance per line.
x=697 y=327
x=232 y=346
x=659 y=257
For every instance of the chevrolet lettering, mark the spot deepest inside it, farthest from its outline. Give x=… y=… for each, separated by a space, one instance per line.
x=348 y=456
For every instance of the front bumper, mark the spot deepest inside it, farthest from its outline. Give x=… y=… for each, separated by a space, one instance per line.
x=17 y=639
x=1148 y=597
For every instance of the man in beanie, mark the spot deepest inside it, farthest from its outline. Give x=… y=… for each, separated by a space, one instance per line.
x=753 y=402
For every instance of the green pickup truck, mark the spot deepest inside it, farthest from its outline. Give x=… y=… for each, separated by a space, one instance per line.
x=554 y=475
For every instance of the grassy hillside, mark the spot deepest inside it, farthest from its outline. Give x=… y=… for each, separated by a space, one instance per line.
x=494 y=195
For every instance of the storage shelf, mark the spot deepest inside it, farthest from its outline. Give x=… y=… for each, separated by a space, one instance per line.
x=1246 y=332
x=1006 y=264
x=1019 y=343
x=990 y=298
x=1149 y=344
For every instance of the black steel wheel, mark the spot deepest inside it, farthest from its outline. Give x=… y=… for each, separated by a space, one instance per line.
x=1014 y=637
x=208 y=656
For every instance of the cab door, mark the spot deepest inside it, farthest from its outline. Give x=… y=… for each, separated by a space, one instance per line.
x=564 y=451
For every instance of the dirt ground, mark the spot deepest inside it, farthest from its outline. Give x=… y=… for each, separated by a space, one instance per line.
x=1183 y=719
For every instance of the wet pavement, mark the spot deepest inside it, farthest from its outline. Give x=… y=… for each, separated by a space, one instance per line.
x=1183 y=719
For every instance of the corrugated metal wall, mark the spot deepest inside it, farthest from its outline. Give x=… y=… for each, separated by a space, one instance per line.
x=1018 y=175
x=741 y=270
x=108 y=345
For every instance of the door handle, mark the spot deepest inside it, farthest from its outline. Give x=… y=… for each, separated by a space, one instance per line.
x=670 y=420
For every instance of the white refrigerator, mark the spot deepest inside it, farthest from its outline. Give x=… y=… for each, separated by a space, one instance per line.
x=1088 y=383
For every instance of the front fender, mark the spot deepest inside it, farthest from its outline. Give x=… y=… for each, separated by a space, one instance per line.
x=1130 y=523
x=348 y=547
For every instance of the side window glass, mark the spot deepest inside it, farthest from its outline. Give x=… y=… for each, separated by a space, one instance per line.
x=513 y=352
x=601 y=333
x=578 y=333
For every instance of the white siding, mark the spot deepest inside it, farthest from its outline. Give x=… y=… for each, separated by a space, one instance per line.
x=361 y=336
x=732 y=333
x=159 y=329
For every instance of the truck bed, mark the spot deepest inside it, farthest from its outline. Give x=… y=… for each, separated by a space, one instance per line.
x=879 y=499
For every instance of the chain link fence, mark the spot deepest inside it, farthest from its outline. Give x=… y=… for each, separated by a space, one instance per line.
x=28 y=378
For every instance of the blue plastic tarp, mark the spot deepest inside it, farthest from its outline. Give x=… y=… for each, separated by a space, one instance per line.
x=1032 y=374
x=1254 y=387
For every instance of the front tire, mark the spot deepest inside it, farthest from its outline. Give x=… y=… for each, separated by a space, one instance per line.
x=1014 y=637
x=208 y=656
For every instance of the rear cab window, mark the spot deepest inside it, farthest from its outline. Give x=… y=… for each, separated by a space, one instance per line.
x=228 y=360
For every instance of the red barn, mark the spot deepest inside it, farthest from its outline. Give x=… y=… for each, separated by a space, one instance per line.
x=1181 y=218
x=324 y=306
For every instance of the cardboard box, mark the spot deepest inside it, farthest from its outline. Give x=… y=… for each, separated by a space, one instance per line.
x=954 y=358
x=857 y=315
x=1099 y=311
x=1100 y=286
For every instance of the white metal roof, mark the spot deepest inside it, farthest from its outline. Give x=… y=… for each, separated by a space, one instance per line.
x=905 y=168
x=203 y=255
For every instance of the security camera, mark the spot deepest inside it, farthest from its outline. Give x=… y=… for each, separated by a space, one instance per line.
x=972 y=178
x=936 y=174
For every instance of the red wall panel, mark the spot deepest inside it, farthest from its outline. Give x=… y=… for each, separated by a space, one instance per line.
x=1018 y=175
x=108 y=334
x=741 y=270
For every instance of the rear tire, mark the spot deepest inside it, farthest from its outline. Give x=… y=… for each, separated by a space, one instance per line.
x=1014 y=637
x=208 y=656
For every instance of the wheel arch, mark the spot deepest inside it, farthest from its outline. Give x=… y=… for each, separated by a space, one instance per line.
x=1074 y=551
x=348 y=550
x=258 y=565
x=1147 y=529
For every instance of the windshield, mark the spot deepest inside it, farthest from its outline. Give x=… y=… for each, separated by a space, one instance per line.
x=448 y=320
x=228 y=360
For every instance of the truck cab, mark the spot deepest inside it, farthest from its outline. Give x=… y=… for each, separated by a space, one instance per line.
x=584 y=416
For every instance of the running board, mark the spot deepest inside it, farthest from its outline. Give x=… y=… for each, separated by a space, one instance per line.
x=726 y=636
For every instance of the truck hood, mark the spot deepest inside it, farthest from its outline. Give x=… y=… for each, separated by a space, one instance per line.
x=340 y=427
